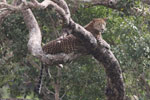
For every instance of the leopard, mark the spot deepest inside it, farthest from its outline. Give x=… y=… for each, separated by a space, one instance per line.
x=70 y=43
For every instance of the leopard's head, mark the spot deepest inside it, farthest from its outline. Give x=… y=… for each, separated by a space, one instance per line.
x=99 y=25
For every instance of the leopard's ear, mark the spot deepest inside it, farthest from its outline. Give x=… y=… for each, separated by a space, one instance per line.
x=95 y=19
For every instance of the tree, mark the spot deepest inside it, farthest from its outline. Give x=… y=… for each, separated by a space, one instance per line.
x=63 y=10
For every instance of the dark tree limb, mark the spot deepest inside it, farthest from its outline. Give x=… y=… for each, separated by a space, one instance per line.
x=101 y=52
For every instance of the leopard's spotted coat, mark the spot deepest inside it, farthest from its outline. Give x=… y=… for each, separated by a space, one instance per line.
x=71 y=44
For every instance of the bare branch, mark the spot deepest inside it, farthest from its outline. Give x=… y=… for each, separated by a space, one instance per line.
x=4 y=1
x=62 y=10
x=34 y=43
x=59 y=58
x=49 y=92
x=64 y=5
x=10 y=7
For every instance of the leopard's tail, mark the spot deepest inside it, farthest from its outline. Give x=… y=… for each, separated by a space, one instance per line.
x=40 y=82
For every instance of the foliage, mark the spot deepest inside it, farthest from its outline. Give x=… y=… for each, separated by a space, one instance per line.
x=83 y=79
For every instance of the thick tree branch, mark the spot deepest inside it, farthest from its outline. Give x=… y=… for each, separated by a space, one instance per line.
x=34 y=43
x=63 y=5
x=115 y=87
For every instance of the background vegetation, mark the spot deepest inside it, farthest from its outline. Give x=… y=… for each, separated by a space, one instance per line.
x=84 y=79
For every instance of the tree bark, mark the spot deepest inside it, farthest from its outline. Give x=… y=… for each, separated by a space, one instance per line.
x=115 y=86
